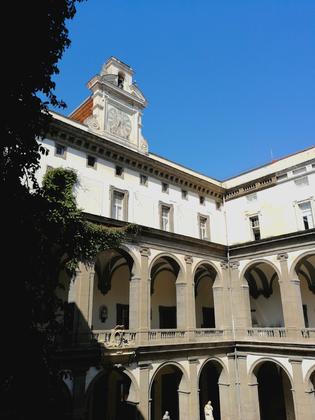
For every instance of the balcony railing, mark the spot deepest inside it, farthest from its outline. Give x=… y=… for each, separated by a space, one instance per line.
x=117 y=338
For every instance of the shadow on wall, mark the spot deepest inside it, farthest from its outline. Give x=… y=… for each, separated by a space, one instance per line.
x=111 y=394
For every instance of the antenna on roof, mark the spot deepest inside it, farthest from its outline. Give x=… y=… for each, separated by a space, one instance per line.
x=271 y=155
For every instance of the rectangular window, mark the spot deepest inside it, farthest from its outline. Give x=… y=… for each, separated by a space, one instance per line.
x=204 y=227
x=91 y=161
x=255 y=227
x=60 y=150
x=201 y=200
x=306 y=215
x=119 y=170
x=165 y=218
x=301 y=181
x=184 y=194
x=165 y=187
x=118 y=205
x=143 y=179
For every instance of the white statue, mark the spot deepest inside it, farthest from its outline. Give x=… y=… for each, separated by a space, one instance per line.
x=166 y=416
x=208 y=411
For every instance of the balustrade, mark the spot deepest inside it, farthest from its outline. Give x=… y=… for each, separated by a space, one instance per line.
x=130 y=338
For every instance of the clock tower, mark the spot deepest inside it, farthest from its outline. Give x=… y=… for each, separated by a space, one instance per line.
x=117 y=105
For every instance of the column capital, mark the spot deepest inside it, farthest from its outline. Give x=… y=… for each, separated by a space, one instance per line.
x=234 y=265
x=189 y=259
x=193 y=359
x=145 y=252
x=295 y=360
x=224 y=265
x=145 y=364
x=283 y=256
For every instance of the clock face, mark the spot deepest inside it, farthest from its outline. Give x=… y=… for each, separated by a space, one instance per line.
x=119 y=123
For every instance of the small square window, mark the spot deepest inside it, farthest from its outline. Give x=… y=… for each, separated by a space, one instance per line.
x=184 y=194
x=299 y=171
x=143 y=179
x=91 y=161
x=60 y=150
x=202 y=199
x=165 y=187
x=119 y=170
x=301 y=181
x=251 y=197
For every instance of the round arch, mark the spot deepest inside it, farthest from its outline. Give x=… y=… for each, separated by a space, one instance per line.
x=255 y=367
x=260 y=261
x=206 y=262
x=263 y=279
x=184 y=382
x=131 y=390
x=272 y=390
x=170 y=256
x=297 y=259
x=169 y=391
x=224 y=373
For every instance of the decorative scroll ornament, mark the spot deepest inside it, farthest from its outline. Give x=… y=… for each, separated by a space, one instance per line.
x=92 y=123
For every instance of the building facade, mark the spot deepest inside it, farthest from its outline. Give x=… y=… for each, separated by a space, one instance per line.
x=214 y=300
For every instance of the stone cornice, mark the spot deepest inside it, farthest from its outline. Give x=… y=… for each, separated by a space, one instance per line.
x=157 y=237
x=250 y=187
x=194 y=246
x=277 y=244
x=91 y=143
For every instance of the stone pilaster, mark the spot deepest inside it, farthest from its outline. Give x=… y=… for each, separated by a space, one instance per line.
x=83 y=300
x=135 y=303
x=302 y=402
x=222 y=299
x=290 y=296
x=194 y=388
x=190 y=289
x=144 y=404
x=145 y=297
x=240 y=298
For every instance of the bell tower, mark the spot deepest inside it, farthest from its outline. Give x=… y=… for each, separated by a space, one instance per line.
x=117 y=106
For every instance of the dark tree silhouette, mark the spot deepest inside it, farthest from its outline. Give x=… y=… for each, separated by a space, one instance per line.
x=42 y=229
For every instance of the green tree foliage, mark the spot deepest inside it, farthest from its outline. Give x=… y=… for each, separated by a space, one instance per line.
x=55 y=238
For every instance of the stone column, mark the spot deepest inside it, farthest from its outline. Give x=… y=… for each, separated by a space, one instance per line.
x=144 y=296
x=302 y=402
x=247 y=403
x=183 y=298
x=225 y=398
x=190 y=288
x=194 y=388
x=221 y=298
x=290 y=297
x=240 y=298
x=79 y=376
x=135 y=303
x=183 y=402
x=144 y=404
x=234 y=388
x=83 y=300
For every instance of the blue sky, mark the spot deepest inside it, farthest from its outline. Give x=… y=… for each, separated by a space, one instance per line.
x=230 y=83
